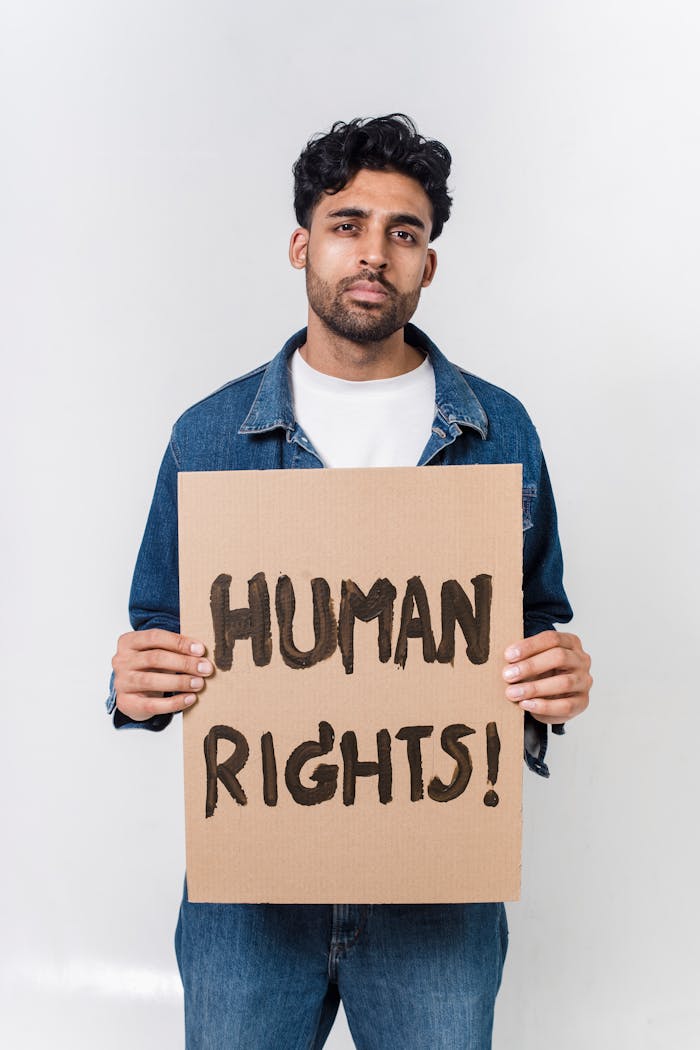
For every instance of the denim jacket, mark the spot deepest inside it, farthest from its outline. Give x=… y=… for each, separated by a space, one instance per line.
x=249 y=424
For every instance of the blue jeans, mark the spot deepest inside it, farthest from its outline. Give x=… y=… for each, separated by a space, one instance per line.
x=271 y=976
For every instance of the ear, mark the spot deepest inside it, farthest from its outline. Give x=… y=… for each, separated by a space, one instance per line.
x=298 y=248
x=429 y=268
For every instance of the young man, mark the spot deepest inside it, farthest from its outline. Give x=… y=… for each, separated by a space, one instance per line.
x=359 y=386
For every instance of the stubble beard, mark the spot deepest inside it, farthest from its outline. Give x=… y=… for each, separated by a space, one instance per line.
x=358 y=322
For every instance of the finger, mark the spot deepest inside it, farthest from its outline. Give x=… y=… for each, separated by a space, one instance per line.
x=141 y=708
x=552 y=686
x=557 y=659
x=163 y=660
x=554 y=711
x=157 y=638
x=157 y=681
x=538 y=643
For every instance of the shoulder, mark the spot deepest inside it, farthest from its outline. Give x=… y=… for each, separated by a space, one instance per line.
x=206 y=435
x=495 y=412
x=237 y=394
x=509 y=422
x=500 y=405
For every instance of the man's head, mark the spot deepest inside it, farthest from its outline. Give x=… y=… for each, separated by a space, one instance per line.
x=329 y=161
x=369 y=196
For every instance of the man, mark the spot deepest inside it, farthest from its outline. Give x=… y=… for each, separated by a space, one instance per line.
x=359 y=386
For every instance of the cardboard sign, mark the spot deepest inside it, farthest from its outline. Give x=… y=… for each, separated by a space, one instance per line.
x=354 y=743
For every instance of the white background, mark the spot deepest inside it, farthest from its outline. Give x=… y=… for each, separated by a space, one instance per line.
x=145 y=208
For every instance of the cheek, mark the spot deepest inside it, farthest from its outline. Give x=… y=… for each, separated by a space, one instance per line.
x=328 y=255
x=408 y=266
x=340 y=257
x=413 y=274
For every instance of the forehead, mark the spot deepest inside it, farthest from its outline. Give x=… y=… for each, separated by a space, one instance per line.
x=378 y=192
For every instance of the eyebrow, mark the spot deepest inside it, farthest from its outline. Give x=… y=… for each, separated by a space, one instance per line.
x=404 y=218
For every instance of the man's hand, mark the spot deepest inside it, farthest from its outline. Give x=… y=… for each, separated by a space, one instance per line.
x=150 y=663
x=548 y=676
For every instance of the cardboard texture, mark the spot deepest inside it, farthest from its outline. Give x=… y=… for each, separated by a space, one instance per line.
x=342 y=752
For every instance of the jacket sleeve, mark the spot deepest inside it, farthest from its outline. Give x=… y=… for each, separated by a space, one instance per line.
x=544 y=598
x=155 y=597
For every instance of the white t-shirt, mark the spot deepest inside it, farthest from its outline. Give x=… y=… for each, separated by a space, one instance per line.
x=365 y=423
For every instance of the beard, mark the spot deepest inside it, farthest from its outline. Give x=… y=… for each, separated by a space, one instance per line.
x=359 y=322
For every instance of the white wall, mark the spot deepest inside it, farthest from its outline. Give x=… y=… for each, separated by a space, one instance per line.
x=145 y=197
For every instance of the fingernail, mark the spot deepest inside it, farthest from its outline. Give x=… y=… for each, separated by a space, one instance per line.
x=204 y=667
x=197 y=648
x=528 y=705
x=189 y=700
x=511 y=672
x=513 y=692
x=513 y=653
x=196 y=683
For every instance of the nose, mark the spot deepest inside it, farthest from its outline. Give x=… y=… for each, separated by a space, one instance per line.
x=373 y=250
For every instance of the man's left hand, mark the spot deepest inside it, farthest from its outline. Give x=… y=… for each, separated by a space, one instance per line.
x=549 y=676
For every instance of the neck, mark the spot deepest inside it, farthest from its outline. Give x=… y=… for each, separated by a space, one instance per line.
x=333 y=355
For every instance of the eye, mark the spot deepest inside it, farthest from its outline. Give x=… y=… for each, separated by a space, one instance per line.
x=345 y=226
x=404 y=235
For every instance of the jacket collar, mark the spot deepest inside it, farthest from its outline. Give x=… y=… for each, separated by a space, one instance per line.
x=455 y=400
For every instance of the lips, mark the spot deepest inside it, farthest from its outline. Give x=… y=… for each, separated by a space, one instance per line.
x=367 y=291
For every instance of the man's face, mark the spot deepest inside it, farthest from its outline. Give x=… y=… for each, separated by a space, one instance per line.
x=366 y=255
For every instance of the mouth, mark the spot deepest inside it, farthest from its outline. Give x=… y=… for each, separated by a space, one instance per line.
x=367 y=292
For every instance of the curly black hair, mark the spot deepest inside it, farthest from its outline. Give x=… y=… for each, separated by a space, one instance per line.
x=390 y=143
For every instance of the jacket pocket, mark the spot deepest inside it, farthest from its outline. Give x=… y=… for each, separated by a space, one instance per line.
x=529 y=496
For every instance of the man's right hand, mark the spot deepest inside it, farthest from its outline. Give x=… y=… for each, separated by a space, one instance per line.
x=150 y=663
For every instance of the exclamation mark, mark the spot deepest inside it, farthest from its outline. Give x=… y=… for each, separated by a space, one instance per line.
x=493 y=750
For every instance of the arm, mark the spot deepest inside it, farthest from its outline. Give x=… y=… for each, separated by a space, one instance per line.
x=155 y=670
x=547 y=672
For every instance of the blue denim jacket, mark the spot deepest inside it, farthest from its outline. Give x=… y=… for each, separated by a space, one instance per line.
x=249 y=424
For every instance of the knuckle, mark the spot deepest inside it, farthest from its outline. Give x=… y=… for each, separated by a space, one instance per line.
x=151 y=660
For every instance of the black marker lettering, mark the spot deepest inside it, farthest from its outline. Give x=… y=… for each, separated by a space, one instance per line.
x=413 y=736
x=415 y=626
x=232 y=624
x=326 y=776
x=224 y=771
x=493 y=751
x=325 y=628
x=352 y=768
x=356 y=605
x=269 y=766
x=476 y=626
x=449 y=742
